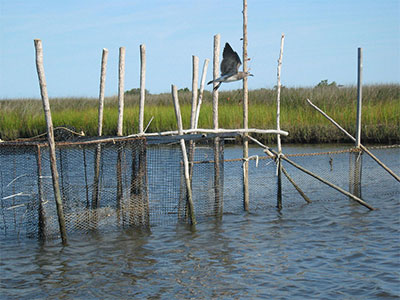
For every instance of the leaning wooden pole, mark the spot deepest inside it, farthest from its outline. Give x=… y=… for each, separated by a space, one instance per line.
x=351 y=137
x=184 y=155
x=195 y=82
x=142 y=87
x=278 y=125
x=202 y=84
x=246 y=194
x=50 y=138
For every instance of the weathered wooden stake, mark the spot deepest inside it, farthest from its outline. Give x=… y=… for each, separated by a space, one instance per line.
x=121 y=94
x=50 y=138
x=95 y=195
x=359 y=97
x=195 y=81
x=184 y=155
x=202 y=84
x=278 y=125
x=121 y=83
x=142 y=87
x=355 y=172
x=102 y=89
x=215 y=76
x=246 y=194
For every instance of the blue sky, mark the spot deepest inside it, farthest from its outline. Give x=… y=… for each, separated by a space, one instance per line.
x=321 y=42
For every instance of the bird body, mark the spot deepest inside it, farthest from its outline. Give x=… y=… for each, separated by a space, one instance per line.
x=229 y=67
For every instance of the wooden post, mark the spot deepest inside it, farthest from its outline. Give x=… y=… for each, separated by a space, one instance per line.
x=95 y=195
x=355 y=172
x=101 y=93
x=184 y=155
x=217 y=203
x=195 y=80
x=50 y=138
x=278 y=125
x=202 y=83
x=142 y=87
x=41 y=211
x=121 y=83
x=245 y=115
x=215 y=76
x=359 y=97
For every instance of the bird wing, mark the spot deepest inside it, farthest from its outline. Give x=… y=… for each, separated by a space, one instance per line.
x=230 y=61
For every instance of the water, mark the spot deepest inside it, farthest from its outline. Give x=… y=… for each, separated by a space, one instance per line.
x=324 y=250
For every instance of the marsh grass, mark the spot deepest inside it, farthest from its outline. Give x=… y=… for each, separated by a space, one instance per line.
x=380 y=116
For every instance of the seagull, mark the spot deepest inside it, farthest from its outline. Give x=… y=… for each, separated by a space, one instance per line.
x=229 y=68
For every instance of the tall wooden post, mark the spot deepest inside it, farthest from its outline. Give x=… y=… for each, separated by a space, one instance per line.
x=278 y=126
x=121 y=83
x=245 y=115
x=142 y=87
x=217 y=171
x=50 y=138
x=95 y=195
x=355 y=172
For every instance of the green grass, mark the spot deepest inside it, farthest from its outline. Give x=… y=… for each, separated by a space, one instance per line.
x=21 y=118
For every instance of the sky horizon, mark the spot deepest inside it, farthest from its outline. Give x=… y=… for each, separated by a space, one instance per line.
x=321 y=41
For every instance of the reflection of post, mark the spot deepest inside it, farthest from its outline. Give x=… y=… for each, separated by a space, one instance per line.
x=41 y=212
x=50 y=138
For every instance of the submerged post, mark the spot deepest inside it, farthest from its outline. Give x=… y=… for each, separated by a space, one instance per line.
x=278 y=126
x=245 y=115
x=50 y=138
x=142 y=87
x=184 y=155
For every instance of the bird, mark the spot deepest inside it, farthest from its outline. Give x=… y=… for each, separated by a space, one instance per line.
x=229 y=67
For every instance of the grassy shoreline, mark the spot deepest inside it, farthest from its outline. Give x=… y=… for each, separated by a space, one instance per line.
x=23 y=118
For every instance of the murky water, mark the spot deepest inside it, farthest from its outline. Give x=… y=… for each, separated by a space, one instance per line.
x=323 y=250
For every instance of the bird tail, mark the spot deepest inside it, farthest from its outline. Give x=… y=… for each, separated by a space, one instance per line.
x=217 y=86
x=210 y=82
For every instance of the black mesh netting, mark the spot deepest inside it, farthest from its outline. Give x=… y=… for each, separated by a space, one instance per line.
x=139 y=182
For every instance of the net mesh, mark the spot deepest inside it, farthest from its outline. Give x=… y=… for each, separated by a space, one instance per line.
x=122 y=183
